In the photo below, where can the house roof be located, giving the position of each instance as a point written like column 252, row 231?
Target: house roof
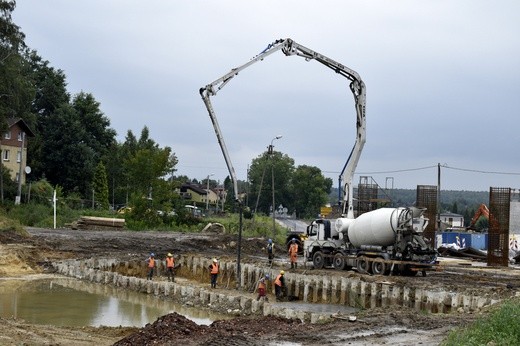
column 450, row 214
column 23, row 125
column 195, row 188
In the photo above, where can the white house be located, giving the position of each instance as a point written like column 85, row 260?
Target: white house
column 452, row 219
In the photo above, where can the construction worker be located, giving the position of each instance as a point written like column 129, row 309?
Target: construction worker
column 170, row 265
column 279, row 286
column 293, row 254
column 213, row 270
column 151, row 265
column 270, row 251
column 261, row 288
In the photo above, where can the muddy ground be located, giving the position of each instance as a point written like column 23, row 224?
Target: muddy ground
column 28, row 255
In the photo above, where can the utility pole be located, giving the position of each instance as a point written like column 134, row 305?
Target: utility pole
column 207, row 191
column 438, row 223
column 270, row 153
column 18, row 199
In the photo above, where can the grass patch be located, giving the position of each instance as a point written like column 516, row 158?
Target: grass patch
column 8, row 224
column 42, row 215
column 500, row 327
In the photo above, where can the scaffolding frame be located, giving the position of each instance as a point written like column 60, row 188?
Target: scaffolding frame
column 427, row 198
column 498, row 235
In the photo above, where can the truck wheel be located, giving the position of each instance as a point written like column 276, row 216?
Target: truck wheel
column 339, row 262
column 363, row 265
column 379, row 267
column 318, row 260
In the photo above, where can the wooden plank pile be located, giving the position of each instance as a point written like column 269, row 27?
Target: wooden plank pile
column 99, row 223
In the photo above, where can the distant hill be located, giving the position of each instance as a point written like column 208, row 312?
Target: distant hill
column 464, row 203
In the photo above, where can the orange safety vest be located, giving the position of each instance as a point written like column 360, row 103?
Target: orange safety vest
column 151, row 262
column 261, row 284
column 278, row 282
column 170, row 261
column 214, row 268
column 293, row 249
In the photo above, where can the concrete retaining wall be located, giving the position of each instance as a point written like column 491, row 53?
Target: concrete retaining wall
column 350, row 291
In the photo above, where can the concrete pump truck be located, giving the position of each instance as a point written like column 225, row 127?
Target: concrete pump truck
column 383, row 241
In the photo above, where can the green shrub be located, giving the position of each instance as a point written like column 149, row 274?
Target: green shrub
column 500, row 327
column 8, row 224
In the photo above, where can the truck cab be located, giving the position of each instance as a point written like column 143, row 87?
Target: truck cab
column 322, row 229
column 322, row 242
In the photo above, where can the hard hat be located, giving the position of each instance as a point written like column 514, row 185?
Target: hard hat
column 294, row 240
column 170, row 254
column 282, row 272
column 215, row 260
column 270, row 241
column 267, row 276
column 152, row 254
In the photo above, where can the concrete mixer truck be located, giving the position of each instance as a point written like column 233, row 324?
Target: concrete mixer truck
column 383, row 241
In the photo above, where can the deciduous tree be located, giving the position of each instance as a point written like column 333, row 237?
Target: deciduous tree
column 100, row 186
column 309, row 189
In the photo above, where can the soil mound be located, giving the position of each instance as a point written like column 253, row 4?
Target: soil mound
column 176, row 329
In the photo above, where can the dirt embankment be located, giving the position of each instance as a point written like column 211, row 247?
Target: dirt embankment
column 20, row 256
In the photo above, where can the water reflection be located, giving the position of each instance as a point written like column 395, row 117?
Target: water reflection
column 69, row 302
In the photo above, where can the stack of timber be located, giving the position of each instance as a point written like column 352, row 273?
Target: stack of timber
column 99, row 223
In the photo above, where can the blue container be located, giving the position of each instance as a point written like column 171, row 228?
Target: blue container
column 479, row 241
column 462, row 239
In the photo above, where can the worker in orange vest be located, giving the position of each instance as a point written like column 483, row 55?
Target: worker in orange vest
column 293, row 254
column 151, row 265
column 261, row 288
column 279, row 286
column 213, row 270
column 170, row 265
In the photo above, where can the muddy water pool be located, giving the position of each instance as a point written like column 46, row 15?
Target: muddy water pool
column 64, row 301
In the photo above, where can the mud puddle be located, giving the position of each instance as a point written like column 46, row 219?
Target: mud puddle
column 63, row 301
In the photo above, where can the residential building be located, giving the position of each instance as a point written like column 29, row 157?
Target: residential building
column 14, row 148
column 452, row 219
column 198, row 195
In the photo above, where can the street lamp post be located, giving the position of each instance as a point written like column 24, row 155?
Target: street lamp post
column 270, row 152
column 207, row 191
column 18, row 198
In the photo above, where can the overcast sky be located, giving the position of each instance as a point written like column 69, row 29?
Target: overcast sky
column 442, row 79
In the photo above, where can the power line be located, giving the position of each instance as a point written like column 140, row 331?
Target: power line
column 400, row 170
column 384, row 172
column 479, row 171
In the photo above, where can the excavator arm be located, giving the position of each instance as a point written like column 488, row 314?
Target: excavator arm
column 481, row 211
column 289, row 47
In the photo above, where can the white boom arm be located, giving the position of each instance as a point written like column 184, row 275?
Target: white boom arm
column 289, row 47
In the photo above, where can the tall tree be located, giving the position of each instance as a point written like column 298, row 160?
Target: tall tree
column 262, row 171
column 309, row 190
column 147, row 166
column 15, row 90
column 51, row 94
column 100, row 186
column 99, row 136
column 69, row 161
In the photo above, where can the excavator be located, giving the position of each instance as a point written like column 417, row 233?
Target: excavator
column 481, row 211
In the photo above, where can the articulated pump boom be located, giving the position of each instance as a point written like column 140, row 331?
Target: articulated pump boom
column 376, row 241
column 289, row 47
